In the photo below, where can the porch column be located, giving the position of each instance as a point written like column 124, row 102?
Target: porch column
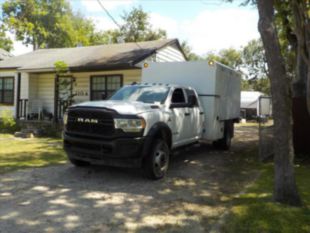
column 18, row 96
column 56, row 98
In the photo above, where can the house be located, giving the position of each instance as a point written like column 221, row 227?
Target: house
column 32, row 89
column 4, row 54
column 253, row 104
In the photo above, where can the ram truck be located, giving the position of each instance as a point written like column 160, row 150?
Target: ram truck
column 141, row 124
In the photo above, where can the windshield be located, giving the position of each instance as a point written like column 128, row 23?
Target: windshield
column 145, row 94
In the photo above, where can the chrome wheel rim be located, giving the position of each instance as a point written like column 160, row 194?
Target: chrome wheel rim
column 161, row 160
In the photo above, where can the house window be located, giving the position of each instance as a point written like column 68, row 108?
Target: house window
column 6, row 90
column 103, row 86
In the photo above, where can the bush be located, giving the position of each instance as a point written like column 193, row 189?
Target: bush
column 7, row 122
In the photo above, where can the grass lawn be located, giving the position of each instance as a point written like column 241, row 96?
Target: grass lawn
column 16, row 153
column 254, row 211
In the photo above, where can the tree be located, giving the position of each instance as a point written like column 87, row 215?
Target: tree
column 137, row 27
column 188, row 52
column 285, row 190
column 301, row 13
column 47, row 24
column 230, row 57
column 254, row 62
column 5, row 42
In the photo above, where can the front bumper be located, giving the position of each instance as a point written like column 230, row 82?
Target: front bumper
column 120, row 152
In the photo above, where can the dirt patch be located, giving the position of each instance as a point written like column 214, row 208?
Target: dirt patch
column 195, row 194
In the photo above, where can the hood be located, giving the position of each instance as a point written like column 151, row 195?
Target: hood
column 122, row 107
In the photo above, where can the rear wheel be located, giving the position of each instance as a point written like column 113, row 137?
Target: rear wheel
column 225, row 142
column 157, row 161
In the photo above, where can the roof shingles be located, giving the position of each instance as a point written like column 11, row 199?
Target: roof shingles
column 103, row 56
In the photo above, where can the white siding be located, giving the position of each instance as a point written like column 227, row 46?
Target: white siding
column 169, row 54
column 24, row 86
column 9, row 73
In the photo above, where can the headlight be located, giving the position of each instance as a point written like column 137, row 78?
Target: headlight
column 129, row 125
column 65, row 118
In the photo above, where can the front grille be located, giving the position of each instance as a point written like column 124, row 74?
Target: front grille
column 90, row 122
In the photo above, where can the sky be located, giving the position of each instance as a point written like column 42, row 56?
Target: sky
column 207, row 25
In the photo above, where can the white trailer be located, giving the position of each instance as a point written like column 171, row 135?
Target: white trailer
column 217, row 85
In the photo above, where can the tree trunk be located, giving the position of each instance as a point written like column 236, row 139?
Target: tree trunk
column 300, row 10
column 285, row 189
column 308, row 91
column 301, row 117
column 300, row 81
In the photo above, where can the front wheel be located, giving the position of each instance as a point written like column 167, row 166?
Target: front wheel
column 156, row 161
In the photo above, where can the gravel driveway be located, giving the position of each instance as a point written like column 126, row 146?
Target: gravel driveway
column 63, row 198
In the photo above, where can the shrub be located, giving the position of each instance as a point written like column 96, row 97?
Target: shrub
column 7, row 122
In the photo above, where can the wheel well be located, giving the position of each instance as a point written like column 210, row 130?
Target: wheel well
column 165, row 135
column 229, row 127
column 158, row 131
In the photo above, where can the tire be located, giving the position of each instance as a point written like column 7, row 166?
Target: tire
column 225, row 142
column 156, row 162
column 79, row 163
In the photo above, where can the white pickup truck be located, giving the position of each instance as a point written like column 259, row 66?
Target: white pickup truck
column 141, row 124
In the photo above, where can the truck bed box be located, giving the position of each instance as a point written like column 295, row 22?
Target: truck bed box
column 218, row 87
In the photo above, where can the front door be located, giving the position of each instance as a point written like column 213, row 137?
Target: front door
column 179, row 115
column 195, row 117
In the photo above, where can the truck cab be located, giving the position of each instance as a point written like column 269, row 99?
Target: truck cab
column 137, row 127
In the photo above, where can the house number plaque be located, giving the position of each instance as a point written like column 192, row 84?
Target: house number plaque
column 81, row 93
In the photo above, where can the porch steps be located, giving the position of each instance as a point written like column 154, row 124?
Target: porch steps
column 28, row 133
column 23, row 135
column 41, row 128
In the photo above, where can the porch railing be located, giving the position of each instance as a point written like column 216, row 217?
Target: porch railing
column 22, row 110
column 62, row 107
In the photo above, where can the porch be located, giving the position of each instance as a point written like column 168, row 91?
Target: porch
column 44, row 97
column 38, row 97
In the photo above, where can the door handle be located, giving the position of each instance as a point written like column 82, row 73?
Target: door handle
column 187, row 114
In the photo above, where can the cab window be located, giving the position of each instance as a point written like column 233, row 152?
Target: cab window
column 192, row 98
column 178, row 97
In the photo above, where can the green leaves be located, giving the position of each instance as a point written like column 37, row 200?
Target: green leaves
column 136, row 27
column 53, row 24
column 61, row 67
column 47, row 24
column 5, row 42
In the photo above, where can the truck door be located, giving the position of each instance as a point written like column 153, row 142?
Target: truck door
column 195, row 119
column 178, row 107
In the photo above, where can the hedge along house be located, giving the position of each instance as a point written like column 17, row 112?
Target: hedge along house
column 32, row 89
